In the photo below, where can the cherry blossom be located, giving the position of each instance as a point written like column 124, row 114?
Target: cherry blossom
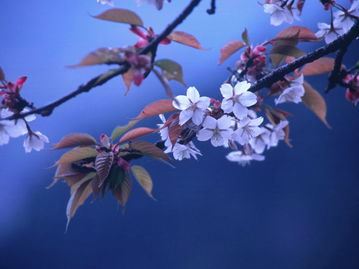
column 346, row 18
column 106, row 2
column 35, row 141
column 329, row 32
column 216, row 130
column 293, row 93
column 279, row 13
column 10, row 128
column 247, row 129
column 192, row 105
column 185, row 151
column 164, row 132
column 260, row 142
column 242, row 158
column 237, row 99
column 277, row 133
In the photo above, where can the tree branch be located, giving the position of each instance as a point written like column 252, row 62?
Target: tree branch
column 280, row 72
column 105, row 77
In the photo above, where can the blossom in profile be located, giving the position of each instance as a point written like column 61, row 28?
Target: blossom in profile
column 217, row 130
column 260, row 142
column 329, row 32
column 192, row 106
column 293, row 93
column 185, row 151
column 277, row 133
column 237, row 99
column 10, row 128
column 35, row 141
column 242, row 158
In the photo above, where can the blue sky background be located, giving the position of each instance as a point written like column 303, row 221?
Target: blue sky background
column 298, row 209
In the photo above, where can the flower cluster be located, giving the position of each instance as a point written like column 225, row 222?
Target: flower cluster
column 11, row 104
column 230, row 123
column 283, row 10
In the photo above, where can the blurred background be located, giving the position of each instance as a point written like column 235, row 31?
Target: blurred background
column 297, row 209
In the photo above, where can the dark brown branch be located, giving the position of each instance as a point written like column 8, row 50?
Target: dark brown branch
column 337, row 75
column 212, row 9
column 280, row 72
column 105, row 77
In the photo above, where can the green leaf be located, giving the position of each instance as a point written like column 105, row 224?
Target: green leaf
column 103, row 164
column 315, row 102
column 120, row 130
column 101, row 56
column 121, row 15
column 75, row 140
column 143, row 178
column 245, row 37
column 149, row 149
column 171, row 69
column 77, row 154
column 229, row 49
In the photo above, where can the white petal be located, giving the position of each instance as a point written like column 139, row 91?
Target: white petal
column 185, row 116
column 224, row 122
column 203, row 102
column 182, row 102
column 247, row 99
column 226, row 90
column 198, row 116
column 240, row 111
column 241, row 87
column 210, row 123
column 193, row 94
column 217, row 140
column 227, row 105
column 204, row 135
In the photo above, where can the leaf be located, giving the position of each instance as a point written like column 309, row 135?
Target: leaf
column 75, row 140
column 229, row 49
column 149, row 149
column 78, row 197
column 2, row 74
column 136, row 133
column 315, row 102
column 100, row 56
column 185, row 39
column 174, row 132
column 296, row 33
column 120, row 130
column 63, row 171
column 77, row 154
column 245, row 37
column 156, row 108
column 103, row 164
column 122, row 192
column 121, row 16
column 143, row 178
column 279, row 53
column 171, row 69
column 128, row 80
column 117, row 175
column 321, row 66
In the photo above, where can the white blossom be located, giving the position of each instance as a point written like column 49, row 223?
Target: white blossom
column 10, row 128
column 243, row 159
column 278, row 13
column 181, row 151
column 345, row 19
column 247, row 129
column 237, row 99
column 164, row 132
column 260, row 142
column 192, row 105
column 293, row 93
column 35, row 141
column 277, row 133
column 330, row 32
column 218, row 131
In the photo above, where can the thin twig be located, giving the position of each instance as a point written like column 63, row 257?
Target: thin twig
column 105, row 77
column 212, row 9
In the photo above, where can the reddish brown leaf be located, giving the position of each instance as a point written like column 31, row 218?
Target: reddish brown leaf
column 136, row 133
column 123, row 191
column 185, row 39
column 77, row 154
column 156, row 108
column 229, row 49
column 103, row 164
column 174, row 132
column 149, row 149
column 296, row 33
column 315, row 102
column 2, row 74
column 121, row 16
column 100, row 56
column 128, row 80
column 280, row 52
column 75, row 140
column 318, row 67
